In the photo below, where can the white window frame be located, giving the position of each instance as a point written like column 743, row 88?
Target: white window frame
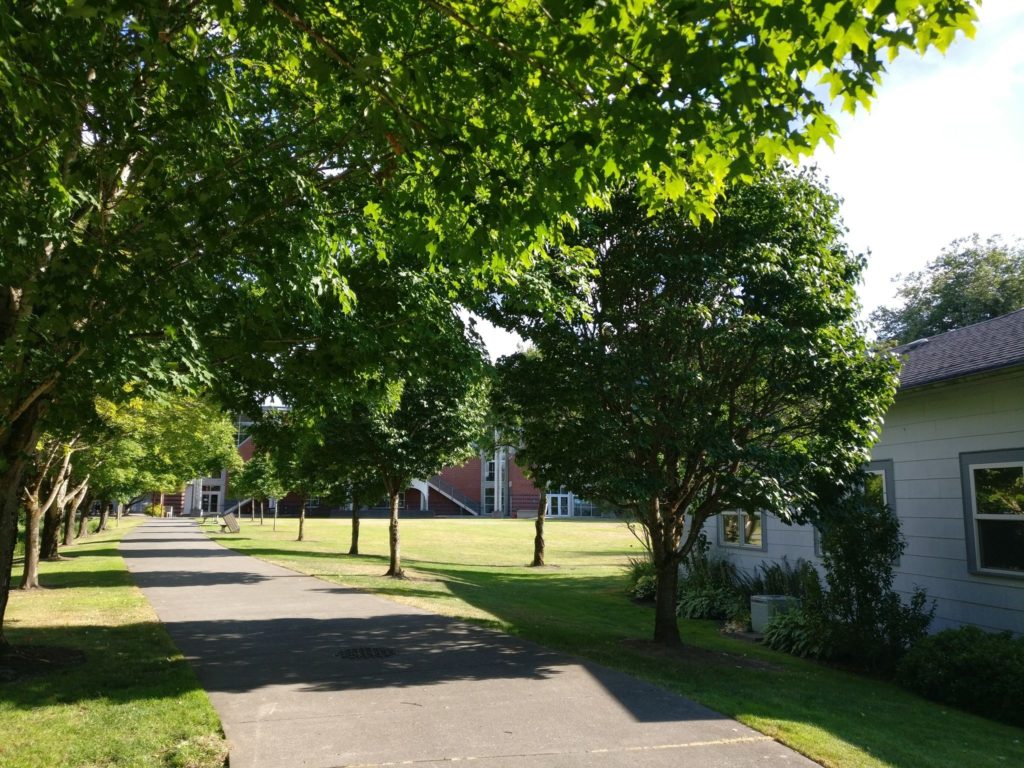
column 740, row 525
column 985, row 460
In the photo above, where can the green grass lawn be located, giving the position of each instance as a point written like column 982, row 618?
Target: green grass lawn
column 133, row 701
column 475, row 570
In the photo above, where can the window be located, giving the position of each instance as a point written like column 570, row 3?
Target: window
column 489, row 500
column 741, row 529
column 582, row 508
column 312, row 502
column 489, row 478
column 993, row 485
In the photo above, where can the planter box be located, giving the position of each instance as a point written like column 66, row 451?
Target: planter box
column 764, row 607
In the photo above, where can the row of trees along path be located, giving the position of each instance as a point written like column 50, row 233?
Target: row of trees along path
column 188, row 188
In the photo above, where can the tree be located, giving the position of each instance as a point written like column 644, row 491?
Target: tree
column 48, row 483
column 390, row 390
column 715, row 367
column 258, row 480
column 197, row 156
column 968, row 282
column 513, row 433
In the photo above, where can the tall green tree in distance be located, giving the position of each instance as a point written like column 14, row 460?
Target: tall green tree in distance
column 258, row 481
column 970, row 281
column 714, row 367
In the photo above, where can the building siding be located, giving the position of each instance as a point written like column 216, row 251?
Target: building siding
column 925, row 432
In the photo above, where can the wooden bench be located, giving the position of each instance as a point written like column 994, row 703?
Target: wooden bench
column 230, row 523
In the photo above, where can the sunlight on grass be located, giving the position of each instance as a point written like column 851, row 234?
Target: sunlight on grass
column 133, row 701
column 476, row 570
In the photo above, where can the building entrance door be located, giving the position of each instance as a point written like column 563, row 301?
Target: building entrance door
column 558, row 505
column 210, row 503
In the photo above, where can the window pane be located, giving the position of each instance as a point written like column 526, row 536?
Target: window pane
column 752, row 529
column 874, row 488
column 999, row 490
column 1001, row 544
column 730, row 527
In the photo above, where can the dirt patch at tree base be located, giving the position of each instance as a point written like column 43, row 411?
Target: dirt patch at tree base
column 21, row 661
column 691, row 654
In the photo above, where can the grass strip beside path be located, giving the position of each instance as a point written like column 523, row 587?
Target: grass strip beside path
column 475, row 570
column 132, row 701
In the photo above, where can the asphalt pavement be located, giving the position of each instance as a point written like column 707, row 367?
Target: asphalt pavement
column 308, row 673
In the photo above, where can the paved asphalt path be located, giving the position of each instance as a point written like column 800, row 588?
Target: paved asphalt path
column 308, row 673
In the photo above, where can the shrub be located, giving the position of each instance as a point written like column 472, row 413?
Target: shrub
column 641, row 579
column 799, row 632
column 154, row 510
column 710, row 587
column 869, row 625
column 978, row 671
column 800, row 580
column 710, row 603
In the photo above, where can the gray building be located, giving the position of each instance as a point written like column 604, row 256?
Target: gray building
column 950, row 463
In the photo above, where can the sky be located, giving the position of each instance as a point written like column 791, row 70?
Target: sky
column 939, row 156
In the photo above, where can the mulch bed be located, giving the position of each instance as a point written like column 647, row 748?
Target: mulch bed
column 21, row 661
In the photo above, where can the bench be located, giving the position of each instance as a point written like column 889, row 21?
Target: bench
column 230, row 523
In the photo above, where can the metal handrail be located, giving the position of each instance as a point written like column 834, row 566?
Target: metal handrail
column 454, row 494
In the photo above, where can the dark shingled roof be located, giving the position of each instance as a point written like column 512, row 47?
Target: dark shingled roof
column 986, row 346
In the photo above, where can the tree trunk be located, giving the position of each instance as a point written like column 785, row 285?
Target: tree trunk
column 104, row 514
column 69, row 523
column 51, row 523
column 36, row 507
column 354, row 546
column 117, row 514
column 262, row 502
column 161, row 503
column 30, row 571
column 666, row 564
column 395, row 568
column 51, row 531
column 15, row 448
column 302, row 518
column 83, row 518
column 538, row 526
column 70, row 517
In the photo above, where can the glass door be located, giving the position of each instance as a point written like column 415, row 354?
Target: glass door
column 558, row 505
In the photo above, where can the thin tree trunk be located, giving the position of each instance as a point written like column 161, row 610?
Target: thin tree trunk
column 302, row 518
column 36, row 507
column 395, row 568
column 71, row 516
column 83, row 518
column 50, row 540
column 117, row 514
column 262, row 502
column 538, row 526
column 30, row 570
column 277, row 504
column 354, row 546
column 51, row 524
column 161, row 503
column 15, row 448
column 104, row 514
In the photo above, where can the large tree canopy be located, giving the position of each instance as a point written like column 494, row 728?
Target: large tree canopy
column 970, row 281
column 715, row 367
column 173, row 172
